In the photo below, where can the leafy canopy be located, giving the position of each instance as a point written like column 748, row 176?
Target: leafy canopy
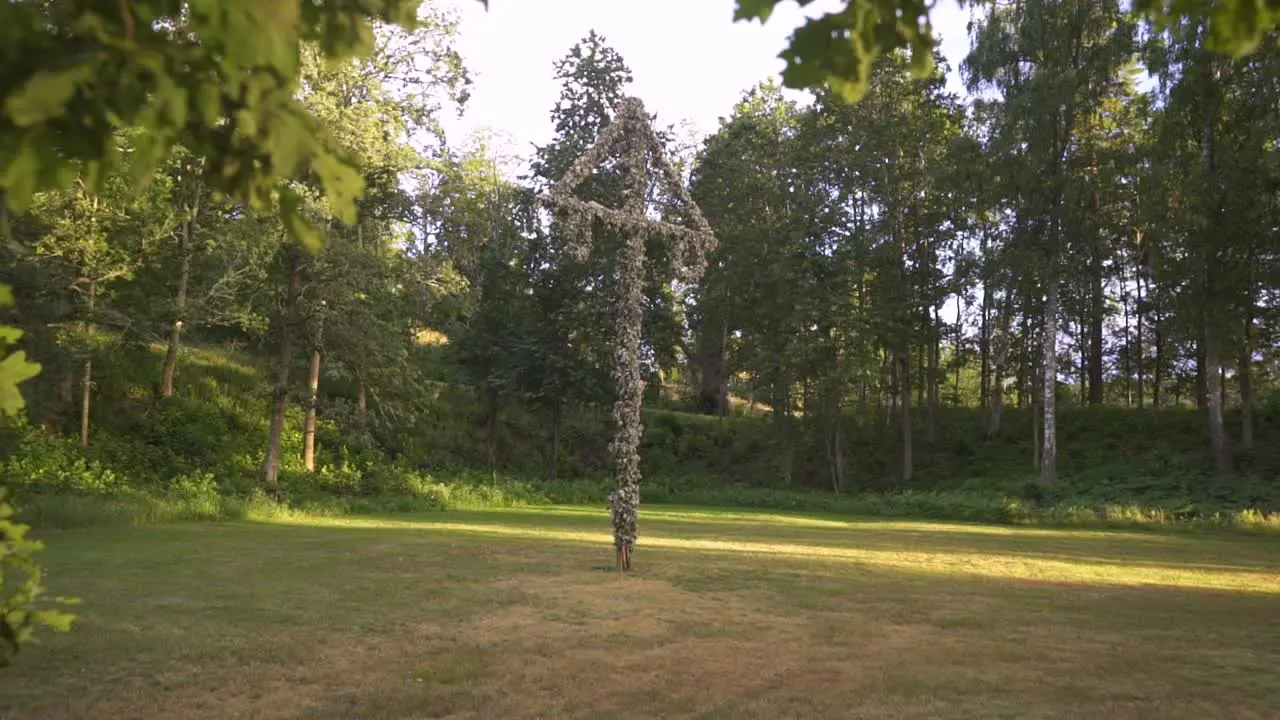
column 219, row 77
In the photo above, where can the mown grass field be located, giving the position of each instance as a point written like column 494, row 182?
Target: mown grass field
column 516, row 614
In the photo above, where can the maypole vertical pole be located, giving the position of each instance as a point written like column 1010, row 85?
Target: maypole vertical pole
column 626, row 375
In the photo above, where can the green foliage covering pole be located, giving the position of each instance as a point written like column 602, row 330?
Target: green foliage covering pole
column 630, row 137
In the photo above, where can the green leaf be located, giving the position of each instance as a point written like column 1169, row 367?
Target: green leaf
column 9, row 335
column 20, row 175
column 755, row 9
column 46, row 94
column 298, row 227
column 174, row 100
column 208, row 101
column 342, row 184
column 14, row 370
column 1238, row 26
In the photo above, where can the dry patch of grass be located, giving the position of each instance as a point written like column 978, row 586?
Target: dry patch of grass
column 734, row 615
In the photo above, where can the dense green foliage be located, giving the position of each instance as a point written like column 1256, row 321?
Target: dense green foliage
column 879, row 298
column 217, row 78
column 838, row 49
column 198, row 457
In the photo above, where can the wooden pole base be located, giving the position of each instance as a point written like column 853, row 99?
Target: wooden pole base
column 623, row 560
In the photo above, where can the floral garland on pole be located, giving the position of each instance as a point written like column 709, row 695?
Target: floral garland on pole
column 631, row 135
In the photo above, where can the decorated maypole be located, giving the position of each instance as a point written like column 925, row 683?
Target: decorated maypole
column 630, row 137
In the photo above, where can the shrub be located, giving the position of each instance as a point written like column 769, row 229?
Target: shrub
column 23, row 609
column 52, row 463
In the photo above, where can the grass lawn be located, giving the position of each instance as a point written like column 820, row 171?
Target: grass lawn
column 508, row 614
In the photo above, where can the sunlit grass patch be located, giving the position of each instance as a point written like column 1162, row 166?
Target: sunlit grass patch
column 920, row 552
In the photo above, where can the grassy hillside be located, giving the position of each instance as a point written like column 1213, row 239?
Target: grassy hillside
column 203, row 449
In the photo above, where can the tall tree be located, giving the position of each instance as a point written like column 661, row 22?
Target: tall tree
column 570, row 344
column 1052, row 62
column 755, row 289
column 379, row 110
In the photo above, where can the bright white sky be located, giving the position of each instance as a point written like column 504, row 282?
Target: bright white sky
column 690, row 61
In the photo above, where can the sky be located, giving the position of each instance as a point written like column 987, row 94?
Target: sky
column 690, row 60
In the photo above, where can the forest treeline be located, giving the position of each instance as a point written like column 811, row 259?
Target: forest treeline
column 1092, row 225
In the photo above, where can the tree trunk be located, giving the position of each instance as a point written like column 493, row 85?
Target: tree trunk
column 313, row 402
column 1202, row 382
column 491, row 426
column 904, row 373
column 1211, row 367
column 829, row 419
column 1140, row 350
column 1222, row 384
column 887, row 392
column 837, row 450
column 1049, row 455
column 1000, row 341
column 553, row 459
column 1035, row 433
column 1084, row 363
column 180, row 301
column 1246, row 378
column 805, row 403
column 921, row 381
column 931, row 410
column 1026, row 379
column 886, row 408
column 86, row 400
column 1157, row 379
column 713, row 385
column 1213, row 397
column 280, row 396
column 984, row 337
column 362, row 400
column 1096, row 318
column 86, row 388
column 67, row 392
column 963, row 305
column 1128, row 339
column 783, row 431
column 175, row 332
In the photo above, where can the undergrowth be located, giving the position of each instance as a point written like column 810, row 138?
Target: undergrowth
column 140, row 508
column 197, row 456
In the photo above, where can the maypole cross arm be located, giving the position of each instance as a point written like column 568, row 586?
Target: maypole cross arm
column 630, row 137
